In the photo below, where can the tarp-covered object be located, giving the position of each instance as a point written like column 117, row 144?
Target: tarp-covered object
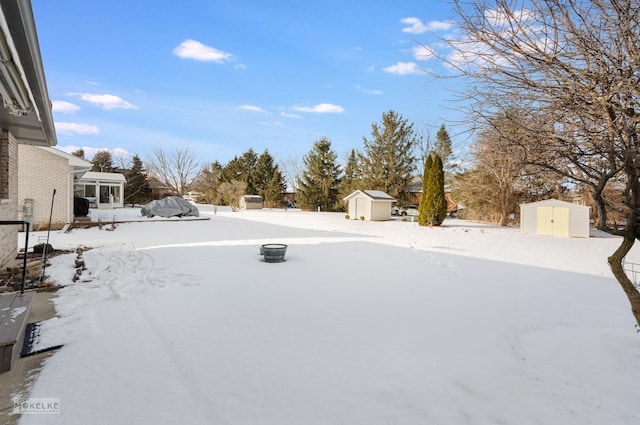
column 80, row 207
column 171, row 206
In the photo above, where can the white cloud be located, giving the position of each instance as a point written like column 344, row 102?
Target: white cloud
column 73, row 128
column 402, row 68
column 499, row 17
column 106, row 101
column 417, row 27
column 422, row 53
column 252, row 108
column 271, row 123
column 322, row 108
column 368, row 91
column 64, row 107
column 192, row 49
column 89, row 152
column 289, row 115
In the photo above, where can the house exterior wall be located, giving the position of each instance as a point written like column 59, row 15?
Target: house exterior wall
column 8, row 197
column 38, row 186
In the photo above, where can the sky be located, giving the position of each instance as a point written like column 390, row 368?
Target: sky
column 220, row 77
column 179, row 321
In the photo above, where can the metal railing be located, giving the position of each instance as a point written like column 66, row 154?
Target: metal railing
column 633, row 272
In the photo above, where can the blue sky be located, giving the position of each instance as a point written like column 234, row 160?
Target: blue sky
column 220, row 77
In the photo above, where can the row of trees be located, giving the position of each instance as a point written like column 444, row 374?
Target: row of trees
column 387, row 162
column 248, row 173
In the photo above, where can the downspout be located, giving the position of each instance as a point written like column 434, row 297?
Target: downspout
column 70, row 191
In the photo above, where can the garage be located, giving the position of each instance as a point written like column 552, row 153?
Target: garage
column 553, row 217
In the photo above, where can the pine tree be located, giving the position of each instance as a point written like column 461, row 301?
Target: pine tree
column 437, row 183
column 318, row 185
column 350, row 180
column 241, row 168
column 275, row 189
column 423, row 209
column 443, row 145
column 263, row 177
column 79, row 153
column 102, row 162
column 136, row 187
column 433, row 205
column 388, row 162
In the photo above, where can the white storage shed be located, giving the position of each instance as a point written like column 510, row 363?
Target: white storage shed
column 553, row 217
column 373, row 205
column 251, row 202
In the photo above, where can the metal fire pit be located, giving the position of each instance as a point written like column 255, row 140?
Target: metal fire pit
column 273, row 252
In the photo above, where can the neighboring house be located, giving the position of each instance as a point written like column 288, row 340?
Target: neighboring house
column 553, row 217
column 25, row 111
column 103, row 190
column 414, row 190
column 251, row 202
column 374, row 205
column 35, row 189
column 158, row 189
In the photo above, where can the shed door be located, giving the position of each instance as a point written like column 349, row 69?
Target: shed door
column 359, row 208
column 553, row 221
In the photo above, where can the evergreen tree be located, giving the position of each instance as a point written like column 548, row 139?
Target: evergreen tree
column 263, row 176
column 79, row 153
column 423, row 209
column 102, row 162
column 443, row 145
column 277, row 186
column 388, row 161
column 350, row 180
column 434, row 208
column 136, row 187
column 318, row 184
column 241, row 168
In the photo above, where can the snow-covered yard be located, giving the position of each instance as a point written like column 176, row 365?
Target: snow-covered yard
column 364, row 323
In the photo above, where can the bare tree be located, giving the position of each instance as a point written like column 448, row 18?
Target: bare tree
column 491, row 188
column 573, row 66
column 231, row 193
column 176, row 169
column 424, row 143
column 292, row 169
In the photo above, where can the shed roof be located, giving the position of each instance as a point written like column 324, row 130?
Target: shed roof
column 374, row 195
column 553, row 202
column 103, row 177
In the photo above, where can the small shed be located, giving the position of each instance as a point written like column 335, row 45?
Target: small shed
column 553, row 217
column 251, row 202
column 373, row 205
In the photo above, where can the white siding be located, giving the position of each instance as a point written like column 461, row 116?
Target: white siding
column 555, row 218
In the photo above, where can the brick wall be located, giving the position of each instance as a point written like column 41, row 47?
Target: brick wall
column 39, row 173
column 8, row 197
